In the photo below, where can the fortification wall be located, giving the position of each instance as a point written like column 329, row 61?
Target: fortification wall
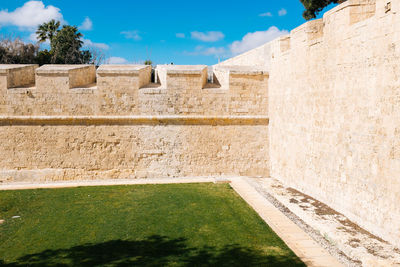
column 73, row 122
column 126, row 90
column 259, row 56
column 334, row 105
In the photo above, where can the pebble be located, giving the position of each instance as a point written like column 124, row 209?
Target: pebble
column 16, row 217
column 1, row 221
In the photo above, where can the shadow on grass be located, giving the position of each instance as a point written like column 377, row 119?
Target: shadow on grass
column 154, row 251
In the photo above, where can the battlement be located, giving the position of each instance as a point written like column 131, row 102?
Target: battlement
column 240, row 77
column 182, row 76
column 130, row 127
column 127, row 90
column 63, row 77
column 119, row 77
column 12, row 76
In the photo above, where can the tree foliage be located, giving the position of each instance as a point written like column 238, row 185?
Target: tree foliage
column 313, row 7
column 65, row 47
column 15, row 51
column 148, row 62
column 47, row 31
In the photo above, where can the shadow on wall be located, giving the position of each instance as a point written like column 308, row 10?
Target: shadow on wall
column 153, row 251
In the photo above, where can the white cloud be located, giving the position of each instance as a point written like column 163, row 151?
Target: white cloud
column 208, row 51
column 132, row 35
column 117, row 60
column 282, row 12
column 211, row 36
column 89, row 43
column 33, row 37
column 254, row 39
column 180, row 35
column 87, row 25
column 216, row 51
column 30, row 15
column 266, row 14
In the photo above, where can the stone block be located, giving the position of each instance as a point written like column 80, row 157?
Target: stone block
column 351, row 12
column 13, row 76
column 182, row 76
column 248, row 78
column 111, row 77
column 63, row 77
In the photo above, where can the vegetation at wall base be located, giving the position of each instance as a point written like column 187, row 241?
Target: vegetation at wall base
column 145, row 225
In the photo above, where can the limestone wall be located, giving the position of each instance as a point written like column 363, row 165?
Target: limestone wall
column 126, row 90
column 334, row 105
column 72, row 125
column 82, row 152
column 334, row 112
column 256, row 57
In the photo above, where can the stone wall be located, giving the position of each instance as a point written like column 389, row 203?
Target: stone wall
column 334, row 107
column 145, row 150
column 256, row 57
column 71, row 125
column 126, row 90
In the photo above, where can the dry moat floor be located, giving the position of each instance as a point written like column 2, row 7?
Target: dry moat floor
column 141, row 225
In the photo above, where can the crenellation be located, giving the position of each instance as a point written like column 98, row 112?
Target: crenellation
column 131, row 128
column 123, row 77
column 188, row 77
column 241, row 77
column 284, row 43
column 351, row 12
column 64, row 77
column 16, row 76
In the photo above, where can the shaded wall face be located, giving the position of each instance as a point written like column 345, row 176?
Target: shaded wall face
column 334, row 105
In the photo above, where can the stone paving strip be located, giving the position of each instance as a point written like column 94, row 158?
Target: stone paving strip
column 66, row 184
column 310, row 252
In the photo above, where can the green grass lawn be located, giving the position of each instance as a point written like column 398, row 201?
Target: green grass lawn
column 141, row 225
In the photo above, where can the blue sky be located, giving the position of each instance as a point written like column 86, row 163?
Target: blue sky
column 182, row 32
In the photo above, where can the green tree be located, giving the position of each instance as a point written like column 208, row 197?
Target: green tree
column 15, row 51
column 313, row 7
column 148, row 62
column 66, row 47
column 47, row 31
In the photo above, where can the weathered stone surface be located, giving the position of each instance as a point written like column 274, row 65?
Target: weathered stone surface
column 127, row 128
column 124, row 90
column 12, row 76
column 182, row 77
column 57, row 152
column 64, row 77
column 334, row 108
column 123, row 77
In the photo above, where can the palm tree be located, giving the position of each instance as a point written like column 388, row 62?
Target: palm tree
column 66, row 46
column 47, row 31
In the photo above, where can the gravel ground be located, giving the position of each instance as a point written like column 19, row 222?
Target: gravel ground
column 346, row 241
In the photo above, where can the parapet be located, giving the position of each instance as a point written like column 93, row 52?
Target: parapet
column 62, row 77
column 350, row 12
column 334, row 22
column 127, row 90
column 182, row 76
column 123, row 76
column 13, row 76
column 240, row 77
column 308, row 34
